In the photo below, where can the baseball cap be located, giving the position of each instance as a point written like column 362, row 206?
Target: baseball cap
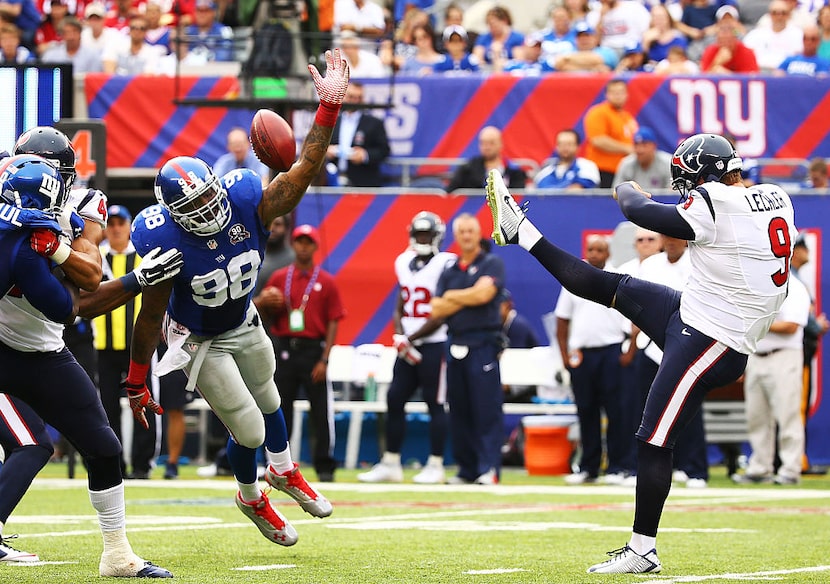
column 209, row 4
column 307, row 231
column 644, row 134
column 95, row 9
column 119, row 211
column 632, row 48
column 724, row 10
column 583, row 27
column 454, row 29
column 533, row 40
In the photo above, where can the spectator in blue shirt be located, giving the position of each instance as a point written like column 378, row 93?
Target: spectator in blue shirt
column 240, row 155
column 207, row 36
column 457, row 57
column 530, row 60
column 808, row 62
column 566, row 170
column 25, row 15
column 560, row 38
column 11, row 51
column 500, row 41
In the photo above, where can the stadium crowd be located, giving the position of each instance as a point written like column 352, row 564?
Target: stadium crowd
column 425, row 37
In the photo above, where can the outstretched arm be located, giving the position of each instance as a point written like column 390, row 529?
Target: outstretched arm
column 284, row 192
column 637, row 206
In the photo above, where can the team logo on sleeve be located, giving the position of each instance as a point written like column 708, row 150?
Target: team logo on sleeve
column 237, row 233
column 688, row 202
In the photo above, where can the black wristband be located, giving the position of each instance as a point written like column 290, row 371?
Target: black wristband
column 130, row 282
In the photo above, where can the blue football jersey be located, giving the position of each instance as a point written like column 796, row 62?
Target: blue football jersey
column 213, row 291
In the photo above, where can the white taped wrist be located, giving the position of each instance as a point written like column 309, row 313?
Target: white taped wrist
column 61, row 254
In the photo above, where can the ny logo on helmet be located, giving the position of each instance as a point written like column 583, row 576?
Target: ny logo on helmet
column 51, row 187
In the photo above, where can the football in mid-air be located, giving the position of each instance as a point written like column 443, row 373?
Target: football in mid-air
column 273, row 140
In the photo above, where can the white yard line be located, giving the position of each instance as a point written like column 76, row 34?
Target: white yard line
column 771, row 575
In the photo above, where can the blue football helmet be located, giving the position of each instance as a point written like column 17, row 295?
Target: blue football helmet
column 31, row 182
column 702, row 156
column 431, row 225
column 54, row 146
column 193, row 195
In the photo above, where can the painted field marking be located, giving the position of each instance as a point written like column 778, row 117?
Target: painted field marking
column 751, row 576
column 264, row 568
column 496, row 571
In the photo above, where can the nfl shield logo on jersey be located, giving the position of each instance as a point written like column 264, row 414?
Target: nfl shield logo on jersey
column 237, row 233
column 212, row 244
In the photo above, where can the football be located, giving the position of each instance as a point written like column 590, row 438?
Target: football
column 273, row 140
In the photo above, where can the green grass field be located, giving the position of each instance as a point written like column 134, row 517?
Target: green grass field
column 528, row 529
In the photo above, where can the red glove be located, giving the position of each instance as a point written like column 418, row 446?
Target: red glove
column 47, row 243
column 138, row 393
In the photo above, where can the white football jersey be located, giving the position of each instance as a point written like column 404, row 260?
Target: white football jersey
column 740, row 261
column 22, row 326
column 417, row 288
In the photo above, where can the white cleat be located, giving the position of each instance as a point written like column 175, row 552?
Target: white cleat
column 9, row 554
column 293, row 484
column 129, row 566
column 431, row 474
column 507, row 215
column 626, row 561
column 270, row 522
column 384, row 472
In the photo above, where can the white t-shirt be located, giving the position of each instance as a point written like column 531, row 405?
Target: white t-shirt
column 740, row 261
column 347, row 12
column 592, row 325
column 418, row 288
column 22, row 326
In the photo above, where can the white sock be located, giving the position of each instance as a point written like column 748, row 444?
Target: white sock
column 642, row 544
column 109, row 504
column 249, row 493
column 393, row 458
column 528, row 234
column 435, row 460
column 281, row 461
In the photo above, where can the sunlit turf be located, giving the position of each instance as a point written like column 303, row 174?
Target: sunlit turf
column 529, row 529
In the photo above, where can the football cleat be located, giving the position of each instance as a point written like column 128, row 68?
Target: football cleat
column 270, row 522
column 295, row 486
column 507, row 215
column 626, row 561
column 383, row 472
column 432, row 474
column 117, row 566
column 488, row 478
column 9, row 554
column 580, row 478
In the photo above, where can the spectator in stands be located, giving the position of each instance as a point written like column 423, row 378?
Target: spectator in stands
column 647, row 165
column 698, row 23
column 120, row 14
column 588, row 56
column 530, row 60
column 303, row 305
column 808, row 62
column 817, row 175
column 396, row 51
column 426, row 56
column 473, row 173
column 622, row 24
column 559, row 38
column 96, row 35
column 772, row 392
column 71, row 49
column 363, row 64
column 158, row 34
column 240, row 155
column 824, row 26
column 500, row 41
column 48, row 33
column 466, row 298
column 775, row 43
column 797, row 16
column 566, row 170
column 11, row 51
column 363, row 17
column 457, row 58
column 633, row 60
column 359, row 144
column 206, row 36
column 135, row 58
column 590, row 338
column 662, row 35
column 25, row 15
column 677, row 62
column 728, row 54
column 582, row 11
column 609, row 131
